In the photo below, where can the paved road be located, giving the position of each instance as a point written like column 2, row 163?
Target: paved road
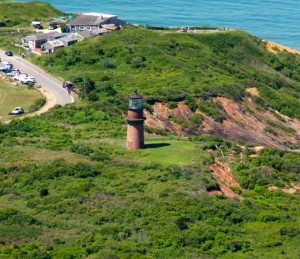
column 52, row 84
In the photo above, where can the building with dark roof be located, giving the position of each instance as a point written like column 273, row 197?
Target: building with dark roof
column 89, row 22
column 51, row 46
column 35, row 41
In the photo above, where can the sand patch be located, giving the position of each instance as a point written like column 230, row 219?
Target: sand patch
column 253, row 91
column 275, row 48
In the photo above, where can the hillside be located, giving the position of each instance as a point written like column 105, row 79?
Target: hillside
column 16, row 18
column 21, row 14
column 212, row 74
column 218, row 177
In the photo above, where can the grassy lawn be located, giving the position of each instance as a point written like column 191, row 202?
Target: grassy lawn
column 12, row 96
column 169, row 152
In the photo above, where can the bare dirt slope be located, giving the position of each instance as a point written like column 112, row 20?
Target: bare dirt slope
column 225, row 180
column 243, row 121
column 275, row 48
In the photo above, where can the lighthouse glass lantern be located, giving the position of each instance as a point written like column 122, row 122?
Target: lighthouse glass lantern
column 135, row 122
column 135, row 101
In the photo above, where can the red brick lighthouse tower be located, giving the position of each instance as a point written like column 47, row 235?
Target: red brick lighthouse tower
column 135, row 122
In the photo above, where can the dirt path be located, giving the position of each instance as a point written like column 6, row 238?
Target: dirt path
column 50, row 102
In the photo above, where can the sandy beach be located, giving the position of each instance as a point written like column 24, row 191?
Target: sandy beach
column 275, row 47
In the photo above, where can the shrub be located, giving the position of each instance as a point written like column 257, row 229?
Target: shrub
column 212, row 109
column 172, row 105
column 270, row 130
column 44, row 192
column 191, row 103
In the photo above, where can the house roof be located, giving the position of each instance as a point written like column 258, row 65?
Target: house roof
column 85, row 34
column 72, row 37
column 87, row 20
column 37, row 36
column 53, row 44
column 43, row 36
column 55, row 34
column 99, row 31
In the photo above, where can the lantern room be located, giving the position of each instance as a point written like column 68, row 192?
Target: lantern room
column 135, row 101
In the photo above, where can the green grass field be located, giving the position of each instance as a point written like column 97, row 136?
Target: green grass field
column 164, row 151
column 168, row 152
column 12, row 96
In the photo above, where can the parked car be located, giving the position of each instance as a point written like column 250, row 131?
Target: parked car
column 19, row 77
column 27, row 80
column 69, row 86
column 35, row 23
column 6, row 67
column 52, row 26
column 13, row 72
column 39, row 27
column 9, row 53
column 16, row 111
column 6, row 64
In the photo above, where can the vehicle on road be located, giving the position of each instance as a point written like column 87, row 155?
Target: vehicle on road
column 69, row 86
column 9, row 53
column 5, row 67
column 27, row 80
column 19, row 77
column 17, row 111
column 13, row 72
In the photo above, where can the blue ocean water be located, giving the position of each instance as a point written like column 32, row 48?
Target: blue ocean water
column 273, row 20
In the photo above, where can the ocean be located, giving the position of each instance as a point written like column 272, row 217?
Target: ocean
column 272, row 20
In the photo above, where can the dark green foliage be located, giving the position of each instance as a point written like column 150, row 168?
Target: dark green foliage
column 179, row 121
column 212, row 109
column 271, row 167
column 191, row 103
column 20, row 14
column 270, row 130
column 196, row 119
column 280, row 126
column 172, row 105
column 174, row 66
column 290, row 231
column 44, row 192
column 90, row 197
column 155, row 131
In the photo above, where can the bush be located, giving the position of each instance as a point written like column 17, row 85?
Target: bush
column 44, row 192
column 212, row 109
column 172, row 105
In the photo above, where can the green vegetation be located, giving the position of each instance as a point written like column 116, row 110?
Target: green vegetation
column 16, row 18
column 70, row 189
column 211, row 109
column 21, row 14
column 148, row 203
column 12, row 96
column 168, row 66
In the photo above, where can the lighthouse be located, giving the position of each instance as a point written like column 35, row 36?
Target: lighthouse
column 135, row 122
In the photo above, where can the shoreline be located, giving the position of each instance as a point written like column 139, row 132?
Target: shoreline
column 274, row 47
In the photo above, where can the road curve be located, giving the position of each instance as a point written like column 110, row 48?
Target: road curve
column 50, row 83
